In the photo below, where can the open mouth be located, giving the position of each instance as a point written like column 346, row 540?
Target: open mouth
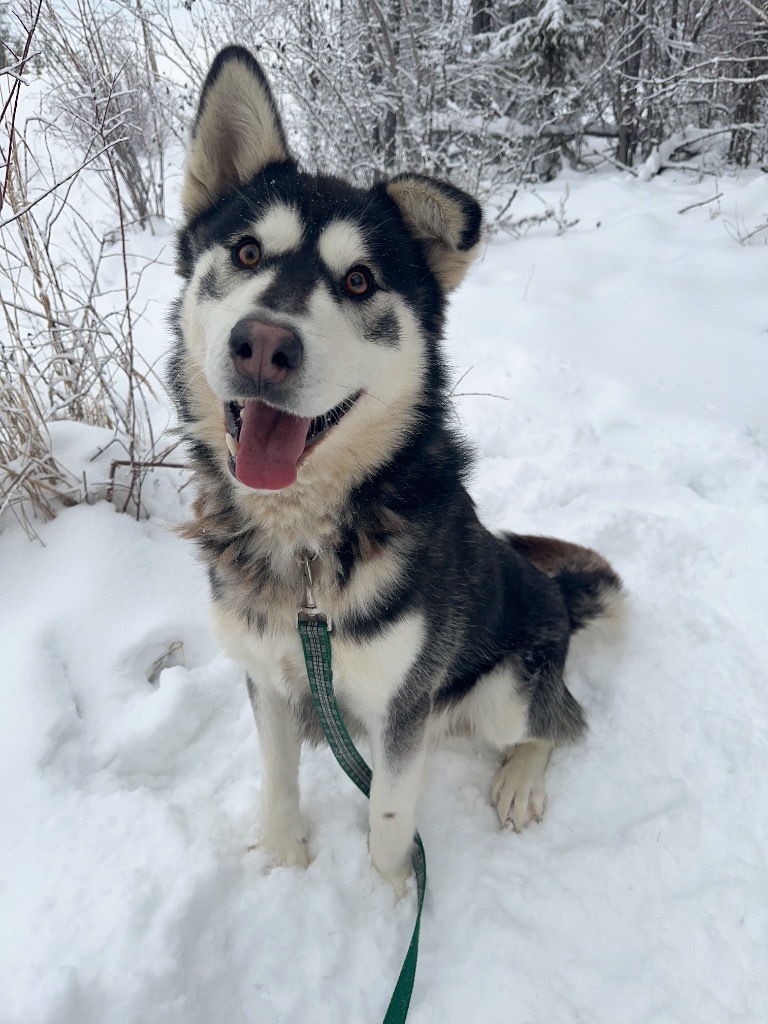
column 266, row 445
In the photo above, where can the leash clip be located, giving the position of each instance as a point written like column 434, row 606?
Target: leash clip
column 308, row 611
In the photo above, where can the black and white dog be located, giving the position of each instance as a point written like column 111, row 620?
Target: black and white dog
column 313, row 394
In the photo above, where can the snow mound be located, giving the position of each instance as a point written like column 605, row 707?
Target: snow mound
column 615, row 388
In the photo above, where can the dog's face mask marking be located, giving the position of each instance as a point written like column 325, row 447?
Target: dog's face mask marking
column 309, row 302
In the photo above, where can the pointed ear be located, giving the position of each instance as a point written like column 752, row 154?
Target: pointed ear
column 237, row 131
column 444, row 219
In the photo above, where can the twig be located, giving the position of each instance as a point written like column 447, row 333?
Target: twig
column 756, row 231
column 14, row 97
column 704, row 202
column 616, row 163
column 528, row 282
column 56, row 185
column 137, row 464
column 461, row 378
column 480, row 394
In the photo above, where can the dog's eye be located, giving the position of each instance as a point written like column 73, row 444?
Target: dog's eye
column 247, row 253
column 358, row 282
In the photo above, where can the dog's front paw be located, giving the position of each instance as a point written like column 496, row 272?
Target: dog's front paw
column 518, row 791
column 393, row 867
column 398, row 881
column 288, row 846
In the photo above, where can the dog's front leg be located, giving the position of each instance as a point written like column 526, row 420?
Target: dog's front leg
column 397, row 783
column 283, row 830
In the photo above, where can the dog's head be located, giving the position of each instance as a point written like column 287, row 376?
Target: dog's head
column 308, row 301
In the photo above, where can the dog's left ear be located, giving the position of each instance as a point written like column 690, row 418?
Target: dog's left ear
column 447, row 221
column 237, row 131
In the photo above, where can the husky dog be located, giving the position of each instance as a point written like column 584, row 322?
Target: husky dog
column 314, row 397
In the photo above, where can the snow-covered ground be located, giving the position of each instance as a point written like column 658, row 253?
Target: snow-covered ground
column 616, row 385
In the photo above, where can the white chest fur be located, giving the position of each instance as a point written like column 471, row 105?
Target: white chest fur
column 366, row 672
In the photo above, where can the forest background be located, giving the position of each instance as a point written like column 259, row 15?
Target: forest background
column 96, row 96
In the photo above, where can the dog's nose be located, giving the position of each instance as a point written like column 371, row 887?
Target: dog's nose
column 265, row 353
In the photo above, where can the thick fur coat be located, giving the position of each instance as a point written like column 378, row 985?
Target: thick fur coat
column 312, row 391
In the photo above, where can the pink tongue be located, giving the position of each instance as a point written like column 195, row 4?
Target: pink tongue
column 271, row 443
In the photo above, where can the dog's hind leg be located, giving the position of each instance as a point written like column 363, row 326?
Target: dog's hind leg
column 554, row 717
column 283, row 831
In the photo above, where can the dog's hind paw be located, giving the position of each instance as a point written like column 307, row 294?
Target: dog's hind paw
column 518, row 792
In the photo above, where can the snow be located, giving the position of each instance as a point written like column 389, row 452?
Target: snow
column 615, row 386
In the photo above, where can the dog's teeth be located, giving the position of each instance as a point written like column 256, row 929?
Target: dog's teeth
column 241, row 403
column 232, row 444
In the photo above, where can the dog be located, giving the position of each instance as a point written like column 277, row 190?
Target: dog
column 313, row 394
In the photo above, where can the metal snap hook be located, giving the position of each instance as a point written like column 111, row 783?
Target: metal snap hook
column 308, row 610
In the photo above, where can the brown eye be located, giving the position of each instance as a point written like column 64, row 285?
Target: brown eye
column 358, row 282
column 248, row 253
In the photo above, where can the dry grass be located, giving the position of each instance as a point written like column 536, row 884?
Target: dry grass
column 67, row 352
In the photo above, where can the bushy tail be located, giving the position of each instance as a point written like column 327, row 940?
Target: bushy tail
column 591, row 588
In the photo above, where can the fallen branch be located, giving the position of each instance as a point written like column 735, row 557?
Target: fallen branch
column 704, row 202
column 136, row 465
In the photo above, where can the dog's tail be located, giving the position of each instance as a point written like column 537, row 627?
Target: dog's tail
column 591, row 588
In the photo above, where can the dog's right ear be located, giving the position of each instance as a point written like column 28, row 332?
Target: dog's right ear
column 237, row 131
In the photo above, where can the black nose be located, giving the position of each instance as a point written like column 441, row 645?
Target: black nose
column 264, row 353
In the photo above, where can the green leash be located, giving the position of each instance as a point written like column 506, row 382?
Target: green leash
column 313, row 629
